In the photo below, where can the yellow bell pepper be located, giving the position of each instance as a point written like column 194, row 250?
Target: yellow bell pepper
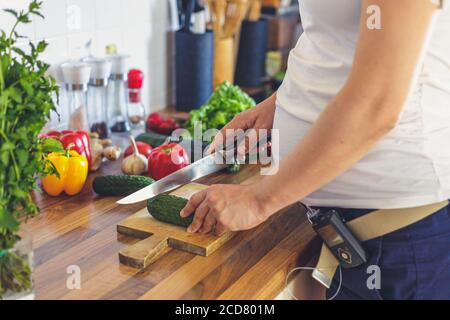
column 72, row 168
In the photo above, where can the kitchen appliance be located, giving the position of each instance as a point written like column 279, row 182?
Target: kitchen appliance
column 117, row 100
column 162, row 235
column 76, row 77
column 135, row 108
column 97, row 95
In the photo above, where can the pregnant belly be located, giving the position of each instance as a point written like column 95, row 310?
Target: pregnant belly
column 290, row 131
column 391, row 175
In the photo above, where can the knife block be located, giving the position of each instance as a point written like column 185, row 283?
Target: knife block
column 194, row 56
column 251, row 61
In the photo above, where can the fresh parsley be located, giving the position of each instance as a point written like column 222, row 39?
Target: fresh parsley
column 26, row 100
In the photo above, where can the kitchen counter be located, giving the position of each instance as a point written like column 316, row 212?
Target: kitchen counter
column 81, row 231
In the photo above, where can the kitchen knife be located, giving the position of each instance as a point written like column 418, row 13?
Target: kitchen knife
column 188, row 15
column 201, row 168
column 199, row 19
column 174, row 16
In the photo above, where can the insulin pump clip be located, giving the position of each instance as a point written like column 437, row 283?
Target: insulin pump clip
column 337, row 237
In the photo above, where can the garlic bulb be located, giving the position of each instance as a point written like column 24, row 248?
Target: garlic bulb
column 112, row 153
column 135, row 164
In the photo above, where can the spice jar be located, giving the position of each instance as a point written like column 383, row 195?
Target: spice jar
column 116, row 93
column 96, row 98
column 76, row 77
column 135, row 108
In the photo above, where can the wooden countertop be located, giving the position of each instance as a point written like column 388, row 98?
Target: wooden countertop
column 81, row 231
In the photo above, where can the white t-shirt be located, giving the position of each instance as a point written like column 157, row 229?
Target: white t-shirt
column 411, row 165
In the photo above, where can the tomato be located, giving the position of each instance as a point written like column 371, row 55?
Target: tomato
column 173, row 124
column 153, row 125
column 165, row 128
column 154, row 120
column 156, row 123
column 143, row 148
column 166, row 159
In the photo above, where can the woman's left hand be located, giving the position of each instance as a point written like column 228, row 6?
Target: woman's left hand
column 224, row 208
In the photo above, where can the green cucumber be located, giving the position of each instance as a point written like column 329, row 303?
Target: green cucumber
column 166, row 208
column 119, row 185
column 152, row 138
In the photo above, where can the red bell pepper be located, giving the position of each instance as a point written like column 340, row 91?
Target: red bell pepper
column 166, row 159
column 80, row 140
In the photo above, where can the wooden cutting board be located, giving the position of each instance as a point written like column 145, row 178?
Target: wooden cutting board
column 160, row 235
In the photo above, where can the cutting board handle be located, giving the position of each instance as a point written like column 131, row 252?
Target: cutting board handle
column 142, row 254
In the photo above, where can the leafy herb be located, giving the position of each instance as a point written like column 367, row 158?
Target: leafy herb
column 234, row 168
column 226, row 102
column 15, row 273
column 26, row 100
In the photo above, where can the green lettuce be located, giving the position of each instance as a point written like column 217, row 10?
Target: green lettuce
column 226, row 102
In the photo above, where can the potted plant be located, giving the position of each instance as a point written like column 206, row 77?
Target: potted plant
column 26, row 101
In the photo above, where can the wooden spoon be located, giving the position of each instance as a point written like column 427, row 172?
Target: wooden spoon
column 236, row 12
column 255, row 10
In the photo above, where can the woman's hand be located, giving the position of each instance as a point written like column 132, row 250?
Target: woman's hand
column 224, row 208
column 259, row 117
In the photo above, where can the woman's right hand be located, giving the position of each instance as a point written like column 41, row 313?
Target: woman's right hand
column 259, row 117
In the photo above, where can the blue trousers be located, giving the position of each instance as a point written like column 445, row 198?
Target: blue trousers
column 414, row 262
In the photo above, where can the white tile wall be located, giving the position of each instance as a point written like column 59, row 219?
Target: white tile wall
column 136, row 27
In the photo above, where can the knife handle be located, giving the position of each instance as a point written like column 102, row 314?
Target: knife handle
column 232, row 154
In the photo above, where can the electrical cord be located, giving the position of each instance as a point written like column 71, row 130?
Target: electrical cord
column 312, row 269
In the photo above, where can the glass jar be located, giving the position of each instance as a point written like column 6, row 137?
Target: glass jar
column 76, row 97
column 16, row 281
column 76, row 76
column 117, row 99
column 97, row 111
column 97, row 95
column 117, row 103
column 135, row 108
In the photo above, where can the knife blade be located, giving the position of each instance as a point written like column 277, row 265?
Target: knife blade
column 194, row 171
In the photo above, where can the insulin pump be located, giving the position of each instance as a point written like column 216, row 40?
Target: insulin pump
column 337, row 237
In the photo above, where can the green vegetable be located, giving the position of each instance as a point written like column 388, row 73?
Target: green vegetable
column 15, row 273
column 166, row 208
column 234, row 168
column 26, row 100
column 152, row 138
column 226, row 102
column 119, row 185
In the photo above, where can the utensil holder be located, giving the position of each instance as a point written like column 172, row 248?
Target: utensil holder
column 250, row 66
column 194, row 69
column 223, row 61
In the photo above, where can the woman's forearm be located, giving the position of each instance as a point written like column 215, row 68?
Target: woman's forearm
column 270, row 101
